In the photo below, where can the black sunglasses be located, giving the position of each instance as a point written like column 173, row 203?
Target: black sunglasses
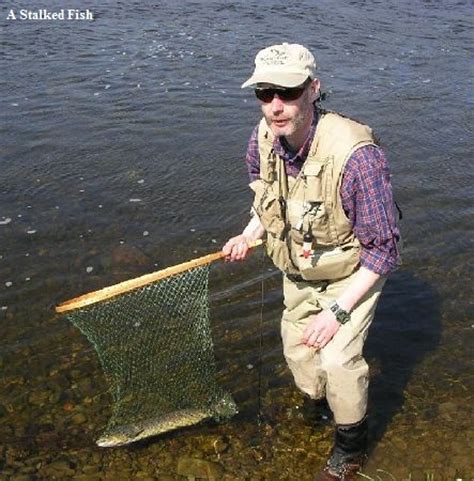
column 286, row 94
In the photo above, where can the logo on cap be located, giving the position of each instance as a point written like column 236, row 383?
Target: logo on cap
column 274, row 57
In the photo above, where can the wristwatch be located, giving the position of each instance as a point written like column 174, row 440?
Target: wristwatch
column 341, row 315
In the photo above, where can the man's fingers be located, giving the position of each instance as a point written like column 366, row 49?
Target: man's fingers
column 312, row 341
column 321, row 341
column 229, row 246
column 307, row 333
column 310, row 338
column 243, row 249
column 312, row 328
column 235, row 249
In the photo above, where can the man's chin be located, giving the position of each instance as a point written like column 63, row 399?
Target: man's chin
column 280, row 131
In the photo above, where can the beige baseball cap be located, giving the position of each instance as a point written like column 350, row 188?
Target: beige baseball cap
column 286, row 64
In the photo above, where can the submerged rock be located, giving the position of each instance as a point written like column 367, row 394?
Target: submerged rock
column 126, row 256
column 38, row 398
column 220, row 445
column 57, row 470
column 23, row 477
column 88, row 477
column 79, row 419
column 199, row 468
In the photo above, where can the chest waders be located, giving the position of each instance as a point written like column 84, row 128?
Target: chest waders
column 310, row 239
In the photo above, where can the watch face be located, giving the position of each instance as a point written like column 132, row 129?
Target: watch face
column 343, row 317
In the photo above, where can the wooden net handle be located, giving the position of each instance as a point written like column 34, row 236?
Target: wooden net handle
column 125, row 286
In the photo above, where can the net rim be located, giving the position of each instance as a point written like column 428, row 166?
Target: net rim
column 137, row 282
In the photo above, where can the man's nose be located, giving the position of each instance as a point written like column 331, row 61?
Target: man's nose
column 277, row 104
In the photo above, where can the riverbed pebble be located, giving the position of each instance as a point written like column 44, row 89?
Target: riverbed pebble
column 198, row 468
column 78, row 419
column 57, row 470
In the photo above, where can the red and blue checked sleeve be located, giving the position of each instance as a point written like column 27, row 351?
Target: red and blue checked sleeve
column 367, row 199
column 252, row 159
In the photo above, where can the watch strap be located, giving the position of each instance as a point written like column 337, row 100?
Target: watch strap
column 342, row 315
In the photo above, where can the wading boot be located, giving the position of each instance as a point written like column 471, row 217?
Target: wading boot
column 348, row 453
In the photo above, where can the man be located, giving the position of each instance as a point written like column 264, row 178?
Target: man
column 324, row 200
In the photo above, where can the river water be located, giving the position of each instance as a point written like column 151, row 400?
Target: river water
column 123, row 141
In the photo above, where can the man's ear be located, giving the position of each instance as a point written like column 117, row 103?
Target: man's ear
column 315, row 87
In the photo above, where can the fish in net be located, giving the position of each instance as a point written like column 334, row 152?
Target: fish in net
column 153, row 338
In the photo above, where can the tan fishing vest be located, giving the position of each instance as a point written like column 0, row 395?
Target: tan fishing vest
column 290, row 207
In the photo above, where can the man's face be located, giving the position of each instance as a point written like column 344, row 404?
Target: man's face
column 290, row 118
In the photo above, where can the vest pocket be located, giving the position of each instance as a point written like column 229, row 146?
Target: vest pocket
column 320, row 227
column 311, row 216
column 312, row 182
column 271, row 216
column 268, row 207
column 336, row 263
column 277, row 250
column 317, row 218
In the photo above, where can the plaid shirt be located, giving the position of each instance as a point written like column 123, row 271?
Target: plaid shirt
column 366, row 195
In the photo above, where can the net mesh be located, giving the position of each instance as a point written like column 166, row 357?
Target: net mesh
column 156, row 350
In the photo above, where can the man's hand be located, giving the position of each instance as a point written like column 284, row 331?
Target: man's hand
column 320, row 330
column 236, row 248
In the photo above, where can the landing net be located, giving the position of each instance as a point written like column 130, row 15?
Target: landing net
column 155, row 347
